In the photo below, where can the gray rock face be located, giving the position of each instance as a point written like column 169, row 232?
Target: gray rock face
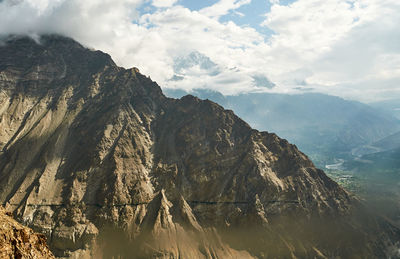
column 99, row 160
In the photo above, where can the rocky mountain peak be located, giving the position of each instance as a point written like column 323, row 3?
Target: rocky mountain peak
column 99, row 160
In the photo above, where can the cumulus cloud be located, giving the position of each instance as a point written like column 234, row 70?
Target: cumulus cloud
column 223, row 7
column 349, row 48
column 88, row 20
column 149, row 41
column 225, row 44
column 164, row 3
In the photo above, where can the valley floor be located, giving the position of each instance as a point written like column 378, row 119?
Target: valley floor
column 380, row 189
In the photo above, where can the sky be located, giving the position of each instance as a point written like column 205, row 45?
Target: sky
column 347, row 48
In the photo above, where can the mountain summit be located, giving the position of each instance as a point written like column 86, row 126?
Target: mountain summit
column 95, row 157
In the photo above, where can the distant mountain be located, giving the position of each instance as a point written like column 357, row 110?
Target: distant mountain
column 379, row 175
column 378, row 163
column 191, row 66
column 99, row 160
column 194, row 59
column 323, row 126
column 389, row 142
column 390, row 106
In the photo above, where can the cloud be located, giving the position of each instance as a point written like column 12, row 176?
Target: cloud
column 349, row 48
column 305, row 30
column 88, row 19
column 164, row 3
column 153, row 42
column 342, row 46
column 189, row 32
column 223, row 7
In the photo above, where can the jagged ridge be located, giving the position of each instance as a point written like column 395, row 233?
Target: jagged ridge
column 92, row 151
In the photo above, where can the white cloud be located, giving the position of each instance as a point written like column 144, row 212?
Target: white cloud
column 349, row 48
column 308, row 28
column 338, row 44
column 88, row 19
column 223, row 7
column 184, row 31
column 164, row 3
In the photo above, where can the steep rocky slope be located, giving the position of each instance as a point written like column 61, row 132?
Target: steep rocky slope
column 17, row 241
column 324, row 127
column 99, row 160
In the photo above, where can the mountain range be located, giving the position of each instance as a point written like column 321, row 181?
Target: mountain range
column 324, row 127
column 391, row 106
column 100, row 161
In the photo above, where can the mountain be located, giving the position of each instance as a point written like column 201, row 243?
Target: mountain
column 95, row 157
column 324, row 127
column 380, row 175
column 391, row 106
column 378, row 161
column 389, row 142
column 17, row 241
column 193, row 59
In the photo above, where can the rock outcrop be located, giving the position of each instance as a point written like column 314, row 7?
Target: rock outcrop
column 95, row 157
column 17, row 241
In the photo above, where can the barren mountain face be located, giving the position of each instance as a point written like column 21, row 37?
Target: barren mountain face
column 95, row 157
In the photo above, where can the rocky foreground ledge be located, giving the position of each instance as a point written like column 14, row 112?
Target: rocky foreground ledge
column 17, row 241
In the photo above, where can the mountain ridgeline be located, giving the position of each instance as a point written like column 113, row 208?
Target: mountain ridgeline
column 96, row 158
column 324, row 127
